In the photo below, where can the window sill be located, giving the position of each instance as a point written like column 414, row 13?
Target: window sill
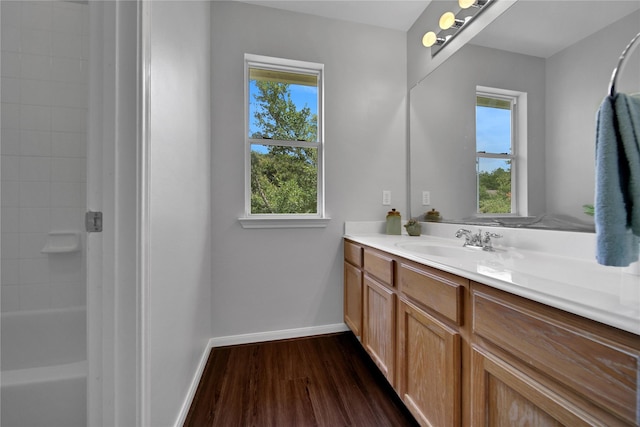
column 280, row 222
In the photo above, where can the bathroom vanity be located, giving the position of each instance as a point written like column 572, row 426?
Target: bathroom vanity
column 472, row 338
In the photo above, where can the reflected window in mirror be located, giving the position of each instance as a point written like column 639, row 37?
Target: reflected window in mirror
column 496, row 152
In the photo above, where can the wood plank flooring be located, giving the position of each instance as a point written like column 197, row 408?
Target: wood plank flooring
column 326, row 380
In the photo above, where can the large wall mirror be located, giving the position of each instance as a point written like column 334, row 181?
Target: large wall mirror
column 555, row 59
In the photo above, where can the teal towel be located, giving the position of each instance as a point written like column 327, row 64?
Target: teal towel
column 617, row 196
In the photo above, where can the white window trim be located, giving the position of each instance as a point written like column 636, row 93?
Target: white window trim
column 519, row 204
column 319, row 219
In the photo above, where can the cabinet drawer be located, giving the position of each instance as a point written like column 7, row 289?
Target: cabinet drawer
column 437, row 290
column 379, row 265
column 353, row 253
column 572, row 350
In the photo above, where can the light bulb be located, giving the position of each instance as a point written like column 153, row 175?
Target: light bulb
column 466, row 4
column 447, row 20
column 429, row 39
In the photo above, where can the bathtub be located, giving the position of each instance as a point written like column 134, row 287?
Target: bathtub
column 44, row 368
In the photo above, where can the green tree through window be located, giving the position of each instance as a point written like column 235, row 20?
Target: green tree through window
column 284, row 143
column 284, row 177
column 494, row 190
column 494, row 154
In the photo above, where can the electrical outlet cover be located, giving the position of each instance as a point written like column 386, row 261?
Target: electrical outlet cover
column 386, row 198
column 426, row 198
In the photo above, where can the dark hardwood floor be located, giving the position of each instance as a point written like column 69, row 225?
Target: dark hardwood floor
column 325, row 380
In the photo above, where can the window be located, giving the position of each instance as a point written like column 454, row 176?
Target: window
column 496, row 152
column 283, row 142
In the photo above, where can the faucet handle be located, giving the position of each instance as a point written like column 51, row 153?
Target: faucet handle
column 462, row 232
column 487, row 246
column 467, row 235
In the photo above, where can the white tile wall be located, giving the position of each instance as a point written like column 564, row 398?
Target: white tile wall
column 44, row 93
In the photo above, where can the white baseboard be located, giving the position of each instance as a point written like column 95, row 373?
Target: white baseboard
column 184, row 411
column 247, row 339
column 277, row 335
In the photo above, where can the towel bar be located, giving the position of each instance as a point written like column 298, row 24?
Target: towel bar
column 623, row 56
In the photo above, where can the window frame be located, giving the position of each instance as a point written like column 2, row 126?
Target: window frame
column 284, row 220
column 518, row 156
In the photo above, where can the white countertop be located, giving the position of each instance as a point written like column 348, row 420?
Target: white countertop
column 574, row 284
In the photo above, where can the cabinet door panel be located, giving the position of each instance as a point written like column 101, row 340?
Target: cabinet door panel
column 575, row 356
column 353, row 298
column 378, row 326
column 504, row 396
column 429, row 367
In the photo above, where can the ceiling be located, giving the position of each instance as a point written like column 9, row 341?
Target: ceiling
column 543, row 28
column 534, row 27
column 393, row 14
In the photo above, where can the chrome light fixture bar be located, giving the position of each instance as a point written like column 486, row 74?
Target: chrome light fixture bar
column 452, row 23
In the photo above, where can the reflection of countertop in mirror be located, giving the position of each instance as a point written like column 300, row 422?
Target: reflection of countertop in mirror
column 555, row 268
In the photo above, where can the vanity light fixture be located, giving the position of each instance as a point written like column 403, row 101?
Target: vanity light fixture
column 452, row 23
column 449, row 20
column 430, row 39
column 466, row 4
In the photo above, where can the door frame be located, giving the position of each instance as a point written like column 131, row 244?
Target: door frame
column 117, row 393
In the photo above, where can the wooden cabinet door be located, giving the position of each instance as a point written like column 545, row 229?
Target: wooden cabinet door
column 587, row 358
column 503, row 395
column 353, row 298
column 429, row 367
column 378, row 336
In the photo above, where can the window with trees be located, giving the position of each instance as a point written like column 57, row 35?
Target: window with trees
column 283, row 139
column 496, row 120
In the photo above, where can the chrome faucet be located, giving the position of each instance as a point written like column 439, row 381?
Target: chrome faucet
column 477, row 240
column 469, row 239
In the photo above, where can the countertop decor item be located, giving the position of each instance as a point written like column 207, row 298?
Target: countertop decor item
column 393, row 222
column 588, row 209
column 413, row 227
column 433, row 216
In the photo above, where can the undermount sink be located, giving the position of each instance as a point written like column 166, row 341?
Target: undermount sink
column 519, row 265
column 434, row 249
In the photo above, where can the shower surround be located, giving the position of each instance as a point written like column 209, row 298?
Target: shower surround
column 44, row 99
column 43, row 146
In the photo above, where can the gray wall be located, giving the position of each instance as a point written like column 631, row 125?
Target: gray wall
column 577, row 81
column 271, row 280
column 179, row 197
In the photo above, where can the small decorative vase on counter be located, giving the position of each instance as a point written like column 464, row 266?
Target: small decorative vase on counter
column 413, row 227
column 432, row 216
column 393, row 222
